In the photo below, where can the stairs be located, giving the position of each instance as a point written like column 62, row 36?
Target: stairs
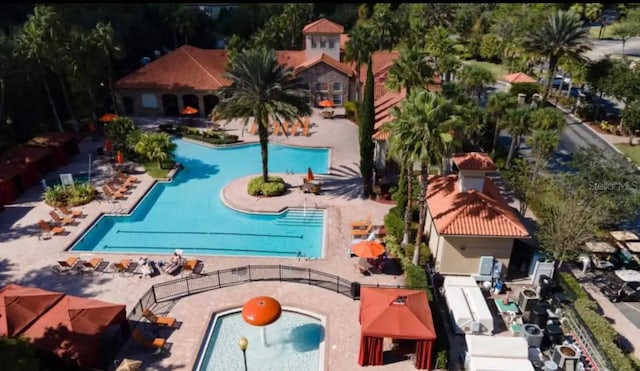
column 312, row 217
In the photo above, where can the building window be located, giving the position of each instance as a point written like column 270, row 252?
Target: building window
column 337, row 87
column 322, row 86
column 337, row 99
column 332, row 43
column 314, row 42
column 323, row 41
column 149, row 101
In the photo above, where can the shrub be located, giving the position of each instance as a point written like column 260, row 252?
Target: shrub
column 425, row 253
column 394, row 225
column 215, row 138
column 528, row 89
column 274, row 187
column 415, row 276
column 59, row 195
column 571, row 286
column 441, row 360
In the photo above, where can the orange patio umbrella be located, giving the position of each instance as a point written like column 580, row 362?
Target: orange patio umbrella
column 108, row 146
column 310, row 176
column 367, row 249
column 108, row 117
column 261, row 311
column 326, row 103
column 188, row 110
column 119, row 157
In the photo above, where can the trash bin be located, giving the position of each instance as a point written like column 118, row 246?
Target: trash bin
column 355, row 290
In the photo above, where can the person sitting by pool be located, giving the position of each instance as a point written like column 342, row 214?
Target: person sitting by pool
column 174, row 263
column 145, row 267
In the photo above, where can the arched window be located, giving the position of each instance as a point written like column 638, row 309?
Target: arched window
column 149, row 100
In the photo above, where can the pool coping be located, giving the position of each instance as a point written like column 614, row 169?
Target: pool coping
column 213, row 319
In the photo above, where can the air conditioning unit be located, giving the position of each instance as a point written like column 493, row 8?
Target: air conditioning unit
column 566, row 357
column 527, row 299
column 533, row 334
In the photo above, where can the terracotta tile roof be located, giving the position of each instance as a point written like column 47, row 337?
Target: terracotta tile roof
column 384, row 105
column 291, row 58
column 323, row 26
column 381, row 61
column 518, row 78
column 187, row 68
column 343, row 41
column 473, row 161
column 471, row 213
column 324, row 58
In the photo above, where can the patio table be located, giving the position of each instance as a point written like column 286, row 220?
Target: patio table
column 511, row 307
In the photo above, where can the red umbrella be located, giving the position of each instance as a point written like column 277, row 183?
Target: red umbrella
column 326, row 103
column 367, row 249
column 119, row 157
column 188, row 110
column 108, row 117
column 310, row 176
column 107, row 145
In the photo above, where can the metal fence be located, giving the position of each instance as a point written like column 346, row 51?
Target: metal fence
column 587, row 339
column 194, row 284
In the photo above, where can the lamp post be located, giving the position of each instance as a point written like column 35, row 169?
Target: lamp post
column 243, row 343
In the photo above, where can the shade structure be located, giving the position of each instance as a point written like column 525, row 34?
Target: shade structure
column 108, row 146
column 397, row 314
column 261, row 311
column 62, row 145
column 119, row 157
column 518, row 78
column 188, row 110
column 67, row 326
column 326, row 103
column 108, row 117
column 367, row 249
column 310, row 176
column 39, row 157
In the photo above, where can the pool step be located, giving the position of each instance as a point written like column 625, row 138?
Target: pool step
column 300, row 217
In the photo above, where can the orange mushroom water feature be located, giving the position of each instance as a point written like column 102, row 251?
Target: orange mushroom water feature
column 261, row 311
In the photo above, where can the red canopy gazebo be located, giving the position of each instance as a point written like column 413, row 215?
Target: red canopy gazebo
column 397, row 314
column 39, row 157
column 68, row 326
column 62, row 145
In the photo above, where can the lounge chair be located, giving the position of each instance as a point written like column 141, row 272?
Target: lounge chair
column 162, row 321
column 362, row 232
column 47, row 229
column 362, row 224
column 309, row 187
column 194, row 266
column 276, row 128
column 72, row 213
column 125, row 177
column 254, row 128
column 95, row 265
column 56, row 218
column 110, row 194
column 285, row 128
column 126, row 184
column 124, row 266
column 65, row 266
column 115, row 189
column 139, row 337
column 305, row 129
column 294, row 129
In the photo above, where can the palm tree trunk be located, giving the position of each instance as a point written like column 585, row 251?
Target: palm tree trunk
column 67, row 102
column 512, row 151
column 357, row 83
column 553, row 62
column 111, row 92
column 422, row 218
column 53, row 105
column 92, row 101
column 496, row 134
column 263, row 134
column 407, row 210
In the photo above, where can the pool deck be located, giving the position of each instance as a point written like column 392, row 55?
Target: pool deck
column 25, row 259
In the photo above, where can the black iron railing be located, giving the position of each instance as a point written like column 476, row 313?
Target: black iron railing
column 194, row 284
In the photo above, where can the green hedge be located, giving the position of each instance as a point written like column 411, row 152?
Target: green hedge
column 394, row 225
column 414, row 275
column 601, row 329
column 274, row 187
column 208, row 136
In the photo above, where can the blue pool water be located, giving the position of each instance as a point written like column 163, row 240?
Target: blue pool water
column 188, row 214
column 294, row 342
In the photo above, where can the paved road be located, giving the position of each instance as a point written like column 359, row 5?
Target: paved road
column 610, row 47
column 631, row 311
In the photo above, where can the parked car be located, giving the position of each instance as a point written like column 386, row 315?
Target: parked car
column 622, row 285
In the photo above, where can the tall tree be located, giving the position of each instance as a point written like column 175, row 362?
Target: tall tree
column 498, row 104
column 543, row 143
column 107, row 42
column 382, row 23
column 631, row 119
column 517, row 121
column 32, row 43
column 439, row 44
column 84, row 64
column 409, row 70
column 263, row 90
column 293, row 19
column 367, row 122
column 358, row 50
column 475, row 79
column 561, row 35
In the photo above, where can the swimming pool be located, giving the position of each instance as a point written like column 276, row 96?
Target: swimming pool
column 188, row 214
column 294, row 342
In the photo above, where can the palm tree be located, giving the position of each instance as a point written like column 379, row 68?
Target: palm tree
column 430, row 118
column 517, row 121
column 105, row 38
column 447, row 66
column 358, row 49
column 562, row 35
column 476, row 78
column 264, row 90
column 32, row 43
column 409, row 70
column 381, row 22
column 84, row 63
column 155, row 147
column 439, row 44
column 543, row 143
column 499, row 103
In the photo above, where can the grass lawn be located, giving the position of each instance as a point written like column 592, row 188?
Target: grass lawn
column 498, row 70
column 633, row 152
column 155, row 171
column 595, row 30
